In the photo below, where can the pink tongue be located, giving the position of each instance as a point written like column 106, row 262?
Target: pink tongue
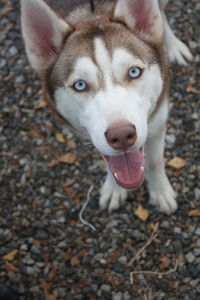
column 127, row 168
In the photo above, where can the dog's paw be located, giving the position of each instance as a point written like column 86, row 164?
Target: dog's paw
column 179, row 52
column 112, row 196
column 164, row 197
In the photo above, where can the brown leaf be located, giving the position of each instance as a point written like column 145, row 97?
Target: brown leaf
column 194, row 213
column 49, row 296
column 33, row 133
column 191, row 89
column 142, row 213
column 68, row 158
column 71, row 144
column 53, row 163
column 10, row 256
column 10, row 267
column 75, row 261
column 165, row 263
column 6, row 10
column 41, row 104
column 153, row 227
column 60, row 138
column 69, row 182
column 84, row 252
column 46, row 286
column 176, row 163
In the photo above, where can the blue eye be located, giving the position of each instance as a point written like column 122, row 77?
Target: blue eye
column 80, row 86
column 134, row 72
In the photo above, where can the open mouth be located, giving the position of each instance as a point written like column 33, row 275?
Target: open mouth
column 128, row 168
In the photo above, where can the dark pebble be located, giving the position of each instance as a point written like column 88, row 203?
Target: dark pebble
column 41, row 235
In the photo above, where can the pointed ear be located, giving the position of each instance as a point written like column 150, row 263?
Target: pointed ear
column 43, row 32
column 143, row 16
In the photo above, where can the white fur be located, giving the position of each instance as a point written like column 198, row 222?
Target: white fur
column 103, row 61
column 94, row 113
column 132, row 104
column 112, row 195
column 161, row 192
column 177, row 50
column 106, row 101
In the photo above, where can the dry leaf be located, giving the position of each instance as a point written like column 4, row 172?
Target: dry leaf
column 53, row 163
column 49, row 296
column 84, row 252
column 41, row 104
column 71, row 144
column 10, row 256
column 6, row 10
column 35, row 134
column 176, row 163
column 153, row 227
column 11, row 268
column 68, row 158
column 142, row 213
column 69, row 182
column 191, row 89
column 74, row 261
column 60, row 138
column 165, row 263
column 194, row 213
column 47, row 287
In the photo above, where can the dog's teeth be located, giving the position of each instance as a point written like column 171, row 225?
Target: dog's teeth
column 142, row 168
column 115, row 174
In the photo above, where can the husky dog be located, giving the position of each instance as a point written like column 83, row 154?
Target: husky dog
column 104, row 70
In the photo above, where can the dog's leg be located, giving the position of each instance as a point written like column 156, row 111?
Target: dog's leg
column 161, row 192
column 112, row 195
column 177, row 50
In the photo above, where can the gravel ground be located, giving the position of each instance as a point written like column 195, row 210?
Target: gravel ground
column 45, row 252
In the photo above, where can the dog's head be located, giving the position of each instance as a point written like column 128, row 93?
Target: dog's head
column 104, row 76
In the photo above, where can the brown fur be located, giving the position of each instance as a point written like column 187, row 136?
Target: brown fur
column 115, row 34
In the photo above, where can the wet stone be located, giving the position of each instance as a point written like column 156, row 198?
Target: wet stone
column 41, row 235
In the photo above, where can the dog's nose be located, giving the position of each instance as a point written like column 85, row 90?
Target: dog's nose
column 121, row 136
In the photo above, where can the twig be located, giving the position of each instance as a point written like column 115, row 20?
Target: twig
column 83, row 221
column 150, row 240
column 154, row 273
column 6, row 154
column 146, row 295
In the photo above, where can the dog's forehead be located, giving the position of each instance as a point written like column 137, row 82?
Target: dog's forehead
column 114, row 35
column 99, row 41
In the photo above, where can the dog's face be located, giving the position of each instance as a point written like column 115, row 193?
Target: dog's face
column 105, row 81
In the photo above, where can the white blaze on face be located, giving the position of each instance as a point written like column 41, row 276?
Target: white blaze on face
column 112, row 96
column 103, row 60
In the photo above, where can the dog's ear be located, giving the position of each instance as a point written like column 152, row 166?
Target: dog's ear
column 143, row 16
column 43, row 32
